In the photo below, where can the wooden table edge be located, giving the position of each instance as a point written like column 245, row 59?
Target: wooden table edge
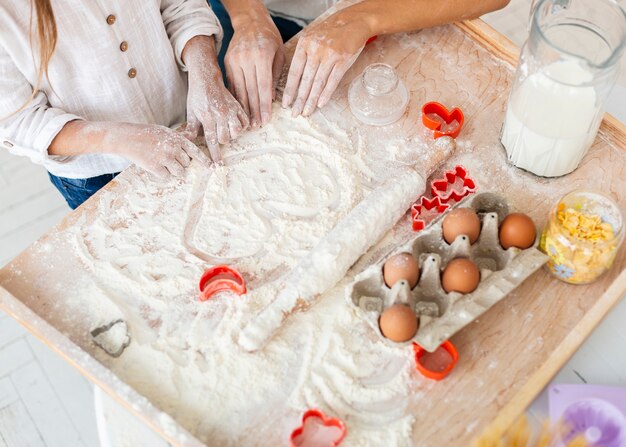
column 96, row 373
column 563, row 352
column 614, row 132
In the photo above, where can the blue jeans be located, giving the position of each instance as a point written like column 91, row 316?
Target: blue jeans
column 287, row 28
column 77, row 190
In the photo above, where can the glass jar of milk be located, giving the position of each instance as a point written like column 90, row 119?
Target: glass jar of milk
column 566, row 70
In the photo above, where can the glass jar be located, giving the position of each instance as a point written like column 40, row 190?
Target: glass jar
column 583, row 234
column 378, row 97
column 566, row 70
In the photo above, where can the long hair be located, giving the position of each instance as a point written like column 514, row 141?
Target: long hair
column 46, row 43
column 46, row 37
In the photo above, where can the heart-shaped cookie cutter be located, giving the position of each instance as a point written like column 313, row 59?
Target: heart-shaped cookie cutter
column 435, row 108
column 326, row 421
column 435, row 374
column 425, row 204
column 439, row 188
column 221, row 278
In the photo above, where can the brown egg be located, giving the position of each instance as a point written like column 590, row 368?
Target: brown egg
column 461, row 221
column 460, row 275
column 399, row 267
column 517, row 230
column 398, row 323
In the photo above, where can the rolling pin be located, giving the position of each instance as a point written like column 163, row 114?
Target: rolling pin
column 329, row 261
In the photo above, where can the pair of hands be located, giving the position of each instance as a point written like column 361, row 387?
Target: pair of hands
column 255, row 59
column 165, row 152
column 254, row 63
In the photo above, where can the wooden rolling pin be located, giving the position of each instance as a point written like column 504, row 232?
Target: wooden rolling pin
column 333, row 256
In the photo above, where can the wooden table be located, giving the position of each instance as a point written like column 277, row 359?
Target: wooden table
column 514, row 349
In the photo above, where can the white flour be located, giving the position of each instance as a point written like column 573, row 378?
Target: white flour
column 261, row 212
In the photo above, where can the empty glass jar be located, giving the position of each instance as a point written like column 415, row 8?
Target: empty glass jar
column 378, row 97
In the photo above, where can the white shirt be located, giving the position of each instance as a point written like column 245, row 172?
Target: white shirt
column 91, row 77
column 300, row 11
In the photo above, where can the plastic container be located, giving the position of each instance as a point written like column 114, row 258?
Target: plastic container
column 378, row 97
column 583, row 234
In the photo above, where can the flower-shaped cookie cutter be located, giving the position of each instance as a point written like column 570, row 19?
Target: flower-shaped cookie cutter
column 423, row 205
column 296, row 437
column 221, row 278
column 433, row 110
column 448, row 188
column 423, row 366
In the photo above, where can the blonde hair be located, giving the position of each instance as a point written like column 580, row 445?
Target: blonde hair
column 46, row 42
column 46, row 37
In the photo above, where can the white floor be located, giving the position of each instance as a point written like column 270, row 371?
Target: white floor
column 45, row 402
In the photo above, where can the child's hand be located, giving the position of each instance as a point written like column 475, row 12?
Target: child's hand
column 209, row 103
column 157, row 149
column 254, row 62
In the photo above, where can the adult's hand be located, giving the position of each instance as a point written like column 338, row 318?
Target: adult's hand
column 209, row 103
column 254, row 61
column 324, row 53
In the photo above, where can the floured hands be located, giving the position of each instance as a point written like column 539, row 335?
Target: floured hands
column 324, row 53
column 254, row 62
column 157, row 149
column 209, row 104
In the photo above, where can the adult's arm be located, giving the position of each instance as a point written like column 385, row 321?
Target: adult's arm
column 255, row 58
column 326, row 50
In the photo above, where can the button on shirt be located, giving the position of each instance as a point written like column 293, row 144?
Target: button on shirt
column 115, row 60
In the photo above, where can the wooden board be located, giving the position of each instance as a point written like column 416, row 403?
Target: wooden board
column 509, row 355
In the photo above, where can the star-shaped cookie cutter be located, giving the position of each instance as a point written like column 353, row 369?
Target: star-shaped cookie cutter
column 425, row 204
column 445, row 188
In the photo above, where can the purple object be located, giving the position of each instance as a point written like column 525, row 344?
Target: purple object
column 596, row 412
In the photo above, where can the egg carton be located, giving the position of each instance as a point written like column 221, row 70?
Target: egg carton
column 443, row 314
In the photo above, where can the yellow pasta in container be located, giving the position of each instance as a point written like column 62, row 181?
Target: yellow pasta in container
column 583, row 234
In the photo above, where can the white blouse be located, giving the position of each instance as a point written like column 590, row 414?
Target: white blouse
column 115, row 60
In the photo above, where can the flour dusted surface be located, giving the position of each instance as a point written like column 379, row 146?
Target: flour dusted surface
column 280, row 190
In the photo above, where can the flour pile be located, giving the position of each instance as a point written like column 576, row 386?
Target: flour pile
column 280, row 190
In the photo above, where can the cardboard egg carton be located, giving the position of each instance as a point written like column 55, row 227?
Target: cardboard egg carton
column 443, row 314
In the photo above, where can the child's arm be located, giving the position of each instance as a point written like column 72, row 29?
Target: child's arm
column 195, row 32
column 209, row 103
column 186, row 19
column 157, row 149
column 31, row 127
column 327, row 49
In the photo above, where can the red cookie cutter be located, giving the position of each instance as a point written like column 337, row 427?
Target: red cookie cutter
column 426, row 204
column 326, row 421
column 434, row 108
column 221, row 278
column 371, row 39
column 445, row 188
column 435, row 374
